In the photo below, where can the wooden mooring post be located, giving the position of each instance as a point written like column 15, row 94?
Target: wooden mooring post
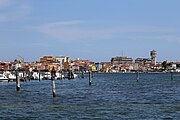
column 39, row 75
column 54, row 88
column 23, row 76
column 90, row 77
column 82, row 74
column 53, row 73
column 137, row 76
column 171, row 75
column 17, row 82
column 60, row 75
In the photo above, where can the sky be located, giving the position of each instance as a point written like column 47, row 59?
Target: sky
column 96, row 30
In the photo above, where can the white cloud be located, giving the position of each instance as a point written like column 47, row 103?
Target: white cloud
column 14, row 11
column 74, row 30
column 74, row 22
column 81, row 30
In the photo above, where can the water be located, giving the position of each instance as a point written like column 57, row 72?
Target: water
column 111, row 96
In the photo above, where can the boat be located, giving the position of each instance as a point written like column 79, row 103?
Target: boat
column 3, row 78
column 72, row 75
column 47, row 76
column 35, row 76
column 11, row 76
column 59, row 76
column 75, row 75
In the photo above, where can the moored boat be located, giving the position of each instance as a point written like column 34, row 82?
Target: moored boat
column 3, row 78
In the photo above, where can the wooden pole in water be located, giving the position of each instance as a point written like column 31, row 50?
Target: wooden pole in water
column 54, row 88
column 171, row 75
column 90, row 78
column 8, row 79
column 61, row 74
column 39, row 76
column 137, row 76
column 82, row 73
column 53, row 73
column 25, row 77
column 29, row 76
column 17, row 82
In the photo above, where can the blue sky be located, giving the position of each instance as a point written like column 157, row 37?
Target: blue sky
column 89, row 29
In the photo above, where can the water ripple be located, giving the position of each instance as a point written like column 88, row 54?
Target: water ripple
column 111, row 96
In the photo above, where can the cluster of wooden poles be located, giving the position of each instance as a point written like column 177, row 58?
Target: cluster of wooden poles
column 54, row 85
column 53, row 80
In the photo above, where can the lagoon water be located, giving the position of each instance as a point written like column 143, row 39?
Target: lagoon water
column 110, row 97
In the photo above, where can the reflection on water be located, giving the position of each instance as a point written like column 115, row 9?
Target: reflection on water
column 111, row 96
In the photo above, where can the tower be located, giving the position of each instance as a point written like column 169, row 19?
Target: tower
column 153, row 54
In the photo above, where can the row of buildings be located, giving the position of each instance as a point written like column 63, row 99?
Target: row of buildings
column 117, row 64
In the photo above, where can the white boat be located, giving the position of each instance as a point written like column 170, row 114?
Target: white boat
column 47, row 76
column 36, row 76
column 59, row 76
column 11, row 76
column 72, row 75
column 75, row 75
column 3, row 78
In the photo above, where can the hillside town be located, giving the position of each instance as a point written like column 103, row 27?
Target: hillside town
column 115, row 65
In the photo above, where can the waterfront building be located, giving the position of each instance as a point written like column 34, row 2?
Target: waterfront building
column 142, row 64
column 94, row 68
column 62, row 59
column 47, row 59
column 54, row 66
column 135, row 66
column 143, row 61
column 172, row 66
column 105, row 66
column 64, row 62
column 153, row 54
column 83, row 64
column 32, row 66
column 98, row 66
column 58, row 62
column 5, row 66
column 121, row 60
column 75, row 67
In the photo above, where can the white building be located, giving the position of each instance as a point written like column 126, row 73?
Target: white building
column 62, row 59
column 153, row 54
